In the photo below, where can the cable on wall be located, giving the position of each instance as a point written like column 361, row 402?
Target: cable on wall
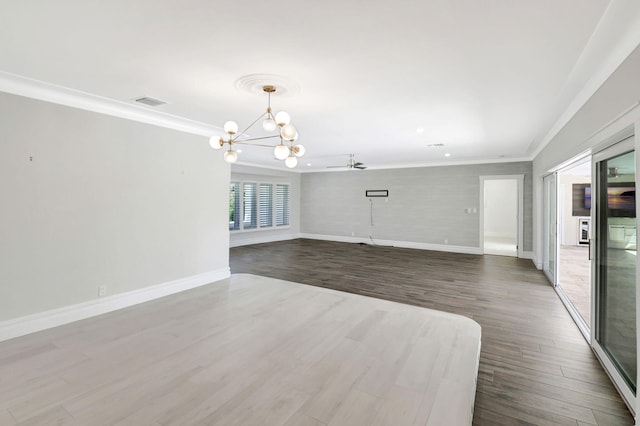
column 370, row 194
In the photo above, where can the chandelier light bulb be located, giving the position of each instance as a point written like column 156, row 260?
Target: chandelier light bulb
column 282, row 118
column 281, row 152
column 288, row 132
column 298, row 150
column 216, row 142
column 231, row 127
column 291, row 162
column 230, row 156
column 269, row 125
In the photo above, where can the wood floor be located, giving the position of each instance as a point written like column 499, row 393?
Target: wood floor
column 247, row 350
column 535, row 366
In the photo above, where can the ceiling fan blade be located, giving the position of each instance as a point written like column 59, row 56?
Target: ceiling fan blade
column 360, row 167
column 336, row 167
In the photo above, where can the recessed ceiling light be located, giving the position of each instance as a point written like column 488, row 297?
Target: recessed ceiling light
column 420, row 130
column 308, row 164
column 239, row 151
column 447, row 154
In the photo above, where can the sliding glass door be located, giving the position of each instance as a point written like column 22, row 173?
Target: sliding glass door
column 615, row 263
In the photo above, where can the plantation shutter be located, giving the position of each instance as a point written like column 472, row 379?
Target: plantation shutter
column 250, row 204
column 282, row 205
column 234, row 206
column 266, row 205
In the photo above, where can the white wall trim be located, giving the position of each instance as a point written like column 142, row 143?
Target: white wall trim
column 392, row 243
column 498, row 234
column 443, row 163
column 261, row 239
column 36, row 89
column 44, row 320
column 627, row 41
column 528, row 255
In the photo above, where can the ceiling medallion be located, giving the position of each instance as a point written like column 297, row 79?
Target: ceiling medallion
column 254, row 84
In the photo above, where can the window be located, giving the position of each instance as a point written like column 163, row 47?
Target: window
column 282, row 205
column 266, row 205
column 234, row 206
column 258, row 205
column 250, row 200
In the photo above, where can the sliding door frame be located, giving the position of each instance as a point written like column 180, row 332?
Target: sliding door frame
column 546, row 205
column 626, row 143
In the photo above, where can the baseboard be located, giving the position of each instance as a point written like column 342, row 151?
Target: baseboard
column 44, row 320
column 531, row 256
column 262, row 240
column 526, row 255
column 392, row 243
column 534, row 259
column 500, row 235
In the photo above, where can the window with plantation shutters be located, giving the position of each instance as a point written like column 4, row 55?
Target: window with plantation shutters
column 234, row 206
column 266, row 205
column 282, row 205
column 250, row 206
column 258, row 205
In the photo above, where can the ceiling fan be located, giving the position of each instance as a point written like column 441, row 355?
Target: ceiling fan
column 351, row 164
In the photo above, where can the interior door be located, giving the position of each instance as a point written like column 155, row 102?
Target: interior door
column 550, row 224
column 615, row 264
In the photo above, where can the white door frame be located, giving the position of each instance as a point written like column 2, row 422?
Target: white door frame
column 546, row 205
column 520, row 220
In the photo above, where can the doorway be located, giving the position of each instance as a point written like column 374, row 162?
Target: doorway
column 573, row 278
column 500, row 222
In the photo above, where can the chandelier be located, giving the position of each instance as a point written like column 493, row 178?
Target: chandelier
column 287, row 133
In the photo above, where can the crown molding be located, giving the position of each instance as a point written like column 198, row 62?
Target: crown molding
column 37, row 89
column 427, row 164
column 621, row 21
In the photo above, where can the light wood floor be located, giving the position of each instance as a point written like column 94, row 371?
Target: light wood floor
column 247, row 351
column 575, row 278
column 535, row 366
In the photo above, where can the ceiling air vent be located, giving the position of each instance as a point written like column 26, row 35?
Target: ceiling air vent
column 150, row 101
column 435, row 145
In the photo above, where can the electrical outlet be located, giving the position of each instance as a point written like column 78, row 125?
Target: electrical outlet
column 353, row 234
column 102, row 290
column 446, row 241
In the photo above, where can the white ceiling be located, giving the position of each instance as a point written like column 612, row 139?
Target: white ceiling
column 488, row 79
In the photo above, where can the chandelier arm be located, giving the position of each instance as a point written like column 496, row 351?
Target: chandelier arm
column 257, row 138
column 249, row 126
column 258, row 144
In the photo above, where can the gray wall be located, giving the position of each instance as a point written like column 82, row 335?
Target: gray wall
column 425, row 205
column 105, row 201
column 258, row 174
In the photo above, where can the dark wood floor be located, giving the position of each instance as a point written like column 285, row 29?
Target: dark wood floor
column 535, row 366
